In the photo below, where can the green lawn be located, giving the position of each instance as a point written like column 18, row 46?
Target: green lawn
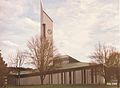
column 65, row 86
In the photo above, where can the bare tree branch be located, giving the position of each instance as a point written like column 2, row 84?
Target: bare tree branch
column 108, row 57
column 41, row 53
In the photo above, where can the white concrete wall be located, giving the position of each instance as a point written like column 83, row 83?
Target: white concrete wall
column 67, row 77
column 46, row 80
column 78, row 77
column 35, row 80
column 88, row 76
column 55, row 79
column 49, row 26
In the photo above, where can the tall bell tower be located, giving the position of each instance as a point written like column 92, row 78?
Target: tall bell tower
column 47, row 31
column 46, row 27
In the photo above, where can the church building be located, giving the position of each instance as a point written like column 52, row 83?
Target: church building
column 66, row 69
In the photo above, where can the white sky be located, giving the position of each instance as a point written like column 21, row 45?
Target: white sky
column 78, row 24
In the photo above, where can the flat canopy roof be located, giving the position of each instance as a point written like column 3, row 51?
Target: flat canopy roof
column 60, row 71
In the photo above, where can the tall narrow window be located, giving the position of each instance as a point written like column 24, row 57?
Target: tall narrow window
column 84, row 71
column 44, row 30
column 92, row 77
column 61, row 78
column 70, row 78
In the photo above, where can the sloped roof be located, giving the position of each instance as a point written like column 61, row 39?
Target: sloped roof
column 67, row 57
column 74, row 65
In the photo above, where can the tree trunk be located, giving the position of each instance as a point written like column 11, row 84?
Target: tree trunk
column 1, row 81
column 42, row 79
column 118, row 83
column 106, row 75
column 18, row 78
column 118, row 79
column 105, row 81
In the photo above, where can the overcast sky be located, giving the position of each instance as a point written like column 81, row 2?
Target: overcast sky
column 78, row 24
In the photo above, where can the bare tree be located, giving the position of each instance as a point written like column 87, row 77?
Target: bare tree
column 41, row 52
column 102, row 55
column 57, row 62
column 3, row 72
column 18, row 60
column 115, row 65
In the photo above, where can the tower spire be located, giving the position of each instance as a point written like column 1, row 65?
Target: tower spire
column 41, row 18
